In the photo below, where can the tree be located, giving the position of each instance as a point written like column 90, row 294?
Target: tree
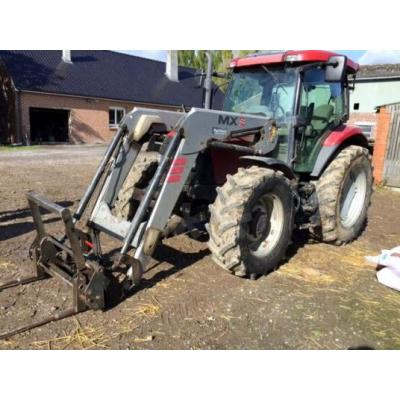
column 187, row 58
column 197, row 58
column 221, row 58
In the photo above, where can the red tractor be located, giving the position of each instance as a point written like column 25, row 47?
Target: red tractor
column 278, row 156
column 318, row 175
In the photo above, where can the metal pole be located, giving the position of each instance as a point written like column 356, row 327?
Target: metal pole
column 100, row 170
column 22, row 281
column 208, row 81
column 61, row 315
column 144, row 204
column 292, row 138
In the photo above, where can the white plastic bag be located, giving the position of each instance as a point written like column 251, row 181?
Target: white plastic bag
column 390, row 274
column 390, row 277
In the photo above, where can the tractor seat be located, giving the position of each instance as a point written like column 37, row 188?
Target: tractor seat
column 321, row 117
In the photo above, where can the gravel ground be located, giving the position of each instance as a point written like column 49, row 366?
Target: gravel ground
column 322, row 296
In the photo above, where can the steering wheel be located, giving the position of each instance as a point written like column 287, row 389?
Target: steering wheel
column 279, row 110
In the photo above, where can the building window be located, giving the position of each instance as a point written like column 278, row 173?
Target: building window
column 115, row 116
column 356, row 106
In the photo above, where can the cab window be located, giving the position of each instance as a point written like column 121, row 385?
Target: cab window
column 321, row 101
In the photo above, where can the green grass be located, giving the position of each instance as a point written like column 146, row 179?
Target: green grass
column 17, row 148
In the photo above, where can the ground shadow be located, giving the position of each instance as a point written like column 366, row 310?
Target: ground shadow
column 26, row 212
column 13, row 230
column 299, row 239
column 164, row 253
column 20, row 228
column 179, row 259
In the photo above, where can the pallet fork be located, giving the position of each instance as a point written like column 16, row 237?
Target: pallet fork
column 45, row 251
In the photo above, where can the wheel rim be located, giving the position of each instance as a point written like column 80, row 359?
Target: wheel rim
column 266, row 225
column 353, row 197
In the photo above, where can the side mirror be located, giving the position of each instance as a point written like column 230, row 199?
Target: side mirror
column 336, row 69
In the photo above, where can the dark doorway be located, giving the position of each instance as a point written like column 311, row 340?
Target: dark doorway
column 48, row 125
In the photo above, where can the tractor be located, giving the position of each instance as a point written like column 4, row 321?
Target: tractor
column 277, row 157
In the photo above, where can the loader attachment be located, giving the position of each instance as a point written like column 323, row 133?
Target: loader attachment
column 95, row 280
column 75, row 258
column 64, row 259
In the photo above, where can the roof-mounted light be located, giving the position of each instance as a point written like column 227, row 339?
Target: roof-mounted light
column 293, row 58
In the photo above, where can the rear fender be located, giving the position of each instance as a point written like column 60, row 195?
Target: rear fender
column 336, row 141
column 272, row 163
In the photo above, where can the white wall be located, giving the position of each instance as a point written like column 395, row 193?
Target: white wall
column 372, row 94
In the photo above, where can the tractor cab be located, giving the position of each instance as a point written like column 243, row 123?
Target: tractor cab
column 305, row 93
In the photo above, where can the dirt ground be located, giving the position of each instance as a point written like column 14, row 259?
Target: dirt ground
column 322, row 297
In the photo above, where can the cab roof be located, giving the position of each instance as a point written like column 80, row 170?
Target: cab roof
column 291, row 56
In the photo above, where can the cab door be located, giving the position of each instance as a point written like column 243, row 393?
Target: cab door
column 322, row 105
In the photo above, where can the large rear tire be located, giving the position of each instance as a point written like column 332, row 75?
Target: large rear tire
column 344, row 194
column 251, row 221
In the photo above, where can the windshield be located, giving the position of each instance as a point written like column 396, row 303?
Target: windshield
column 268, row 91
column 263, row 91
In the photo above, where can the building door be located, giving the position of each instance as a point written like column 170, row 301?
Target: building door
column 391, row 172
column 49, row 125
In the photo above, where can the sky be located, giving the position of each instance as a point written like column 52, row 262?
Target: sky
column 360, row 56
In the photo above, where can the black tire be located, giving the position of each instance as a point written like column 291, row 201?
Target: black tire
column 332, row 188
column 232, row 243
column 139, row 177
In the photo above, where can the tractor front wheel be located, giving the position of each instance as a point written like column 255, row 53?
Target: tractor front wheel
column 251, row 221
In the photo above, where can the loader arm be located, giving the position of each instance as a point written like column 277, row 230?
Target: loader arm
column 194, row 133
column 101, row 217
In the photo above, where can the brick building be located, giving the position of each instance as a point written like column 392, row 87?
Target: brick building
column 386, row 156
column 79, row 97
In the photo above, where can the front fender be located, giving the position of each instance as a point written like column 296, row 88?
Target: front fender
column 272, row 163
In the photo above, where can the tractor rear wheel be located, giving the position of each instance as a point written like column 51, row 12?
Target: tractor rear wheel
column 138, row 178
column 344, row 193
column 251, row 221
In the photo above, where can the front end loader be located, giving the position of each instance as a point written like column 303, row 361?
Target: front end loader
column 277, row 157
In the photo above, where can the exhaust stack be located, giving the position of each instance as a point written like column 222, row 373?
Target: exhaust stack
column 66, row 56
column 208, row 81
column 172, row 66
